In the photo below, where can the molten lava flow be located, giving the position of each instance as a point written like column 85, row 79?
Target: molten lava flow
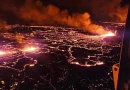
column 100, row 63
column 108, row 34
column 30, row 49
column 5, row 52
column 2, row 53
column 32, row 65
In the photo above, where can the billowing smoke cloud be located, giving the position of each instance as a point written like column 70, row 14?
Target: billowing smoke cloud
column 3, row 23
column 109, row 9
column 35, row 13
column 106, row 10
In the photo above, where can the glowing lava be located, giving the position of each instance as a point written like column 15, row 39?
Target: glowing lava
column 30, row 49
column 99, row 63
column 2, row 53
column 108, row 34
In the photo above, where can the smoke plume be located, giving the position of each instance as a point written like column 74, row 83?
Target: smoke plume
column 104, row 10
column 110, row 9
column 34, row 12
column 37, row 13
column 3, row 23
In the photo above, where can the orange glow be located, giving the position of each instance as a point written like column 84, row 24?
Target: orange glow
column 2, row 53
column 100, row 63
column 108, row 34
column 77, row 63
column 32, row 65
column 30, row 49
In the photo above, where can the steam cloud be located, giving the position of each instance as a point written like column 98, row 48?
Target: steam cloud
column 35, row 13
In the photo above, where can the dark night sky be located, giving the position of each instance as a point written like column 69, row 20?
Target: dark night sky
column 71, row 5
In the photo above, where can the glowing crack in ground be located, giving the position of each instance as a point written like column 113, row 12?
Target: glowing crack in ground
column 38, row 54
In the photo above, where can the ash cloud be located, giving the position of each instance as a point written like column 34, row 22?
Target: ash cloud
column 105, row 10
column 34, row 12
column 37, row 13
column 109, row 9
column 3, row 23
